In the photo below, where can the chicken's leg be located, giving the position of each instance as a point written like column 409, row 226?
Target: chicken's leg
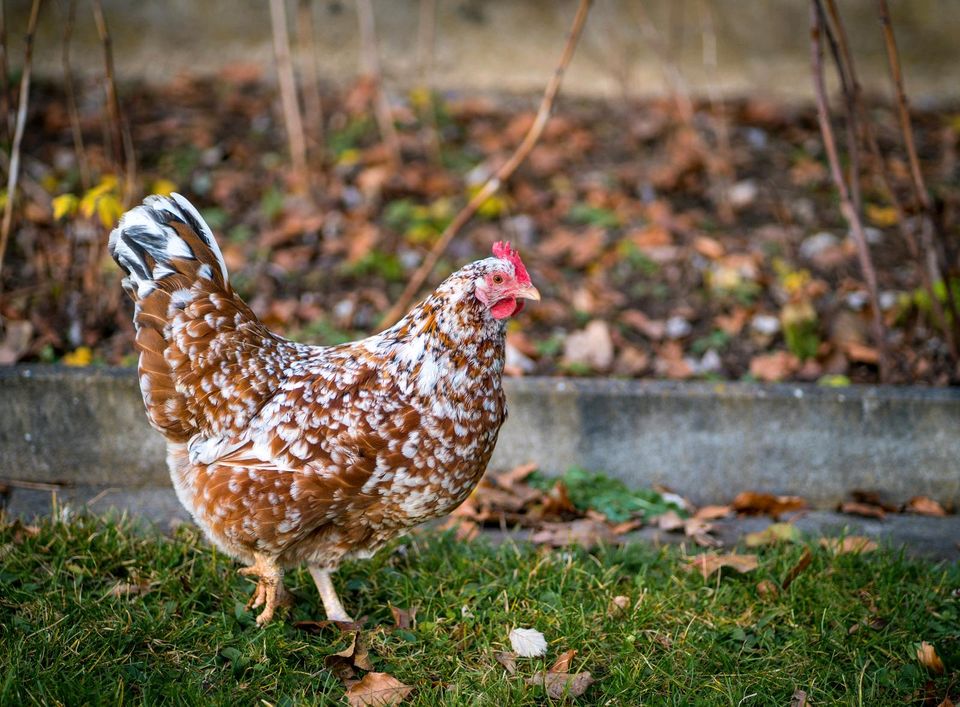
column 269, row 592
column 328, row 595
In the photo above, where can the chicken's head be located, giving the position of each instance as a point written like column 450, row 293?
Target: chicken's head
column 504, row 282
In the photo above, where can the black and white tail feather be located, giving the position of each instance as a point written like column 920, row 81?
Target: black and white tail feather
column 145, row 244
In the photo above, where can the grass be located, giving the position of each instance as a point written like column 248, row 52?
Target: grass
column 846, row 631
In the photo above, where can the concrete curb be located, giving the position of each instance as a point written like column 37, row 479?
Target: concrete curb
column 706, row 441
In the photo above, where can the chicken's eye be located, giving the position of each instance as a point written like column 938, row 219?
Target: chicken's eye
column 498, row 279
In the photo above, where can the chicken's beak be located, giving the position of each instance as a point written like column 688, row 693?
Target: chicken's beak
column 528, row 292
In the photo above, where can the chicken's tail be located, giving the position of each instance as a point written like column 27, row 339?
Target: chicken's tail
column 202, row 351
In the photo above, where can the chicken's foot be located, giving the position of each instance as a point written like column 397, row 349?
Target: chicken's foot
column 269, row 592
column 328, row 595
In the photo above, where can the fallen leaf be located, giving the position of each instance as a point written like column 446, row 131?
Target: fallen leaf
column 862, row 509
column 508, row 660
column 618, row 605
column 559, row 685
column 849, row 544
column 378, row 689
column 403, row 618
column 773, row 534
column 528, row 642
column 927, row 655
column 773, row 367
column 925, row 506
column 708, row 247
column 562, row 663
column 355, row 655
column 700, row 530
column 710, row 562
column 21, row 532
column 799, row 699
column 585, row 532
column 713, row 512
column 592, row 347
column 753, row 502
column 15, row 341
column 128, row 590
column 517, row 474
column 767, row 589
column 805, row 559
column 670, row 521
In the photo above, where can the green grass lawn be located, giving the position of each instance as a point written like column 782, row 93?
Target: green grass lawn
column 846, row 632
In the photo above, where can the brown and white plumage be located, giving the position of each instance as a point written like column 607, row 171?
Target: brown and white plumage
column 286, row 453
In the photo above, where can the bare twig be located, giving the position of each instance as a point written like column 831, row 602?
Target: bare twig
column 312, row 103
column 13, row 173
column 75, row 128
column 927, row 263
column 370, row 63
column 505, row 171
column 123, row 149
column 850, row 214
column 6, row 124
column 426, row 38
column 932, row 243
column 288, row 93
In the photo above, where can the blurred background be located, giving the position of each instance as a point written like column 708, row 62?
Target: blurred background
column 680, row 210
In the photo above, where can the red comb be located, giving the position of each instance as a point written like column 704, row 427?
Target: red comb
column 505, row 251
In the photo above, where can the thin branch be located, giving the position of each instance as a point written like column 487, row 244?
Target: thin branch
column 370, row 63
column 850, row 214
column 125, row 156
column 927, row 261
column 903, row 106
column 75, row 128
column 426, row 39
column 288, row 93
column 931, row 241
column 307, row 50
column 505, row 171
column 13, row 173
column 6, row 124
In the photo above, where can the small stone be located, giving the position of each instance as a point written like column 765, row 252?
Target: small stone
column 818, row 244
column 742, row 194
column 765, row 324
column 710, row 363
column 677, row 328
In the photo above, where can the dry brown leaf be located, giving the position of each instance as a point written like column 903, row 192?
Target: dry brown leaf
column 355, row 655
column 927, row 655
column 15, row 341
column 559, row 685
column 618, row 605
column 862, row 509
column 947, row 702
column 767, row 589
column 753, row 502
column 403, row 618
column 773, row 534
column 925, row 506
column 670, row 521
column 700, row 530
column 713, row 512
column 849, row 544
column 805, row 559
column 591, row 346
column 508, row 660
column 585, row 532
column 517, row 474
column 21, row 532
column 379, row 689
column 563, row 662
column 128, row 590
column 708, row 247
column 710, row 562
column 773, row 367
column 799, row 699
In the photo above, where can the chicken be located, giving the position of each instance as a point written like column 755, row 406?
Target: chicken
column 286, row 453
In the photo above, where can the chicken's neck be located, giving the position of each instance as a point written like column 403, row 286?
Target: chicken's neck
column 449, row 339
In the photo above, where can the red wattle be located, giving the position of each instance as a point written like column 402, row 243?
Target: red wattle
column 504, row 308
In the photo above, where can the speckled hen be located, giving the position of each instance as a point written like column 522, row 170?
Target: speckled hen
column 286, row 453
